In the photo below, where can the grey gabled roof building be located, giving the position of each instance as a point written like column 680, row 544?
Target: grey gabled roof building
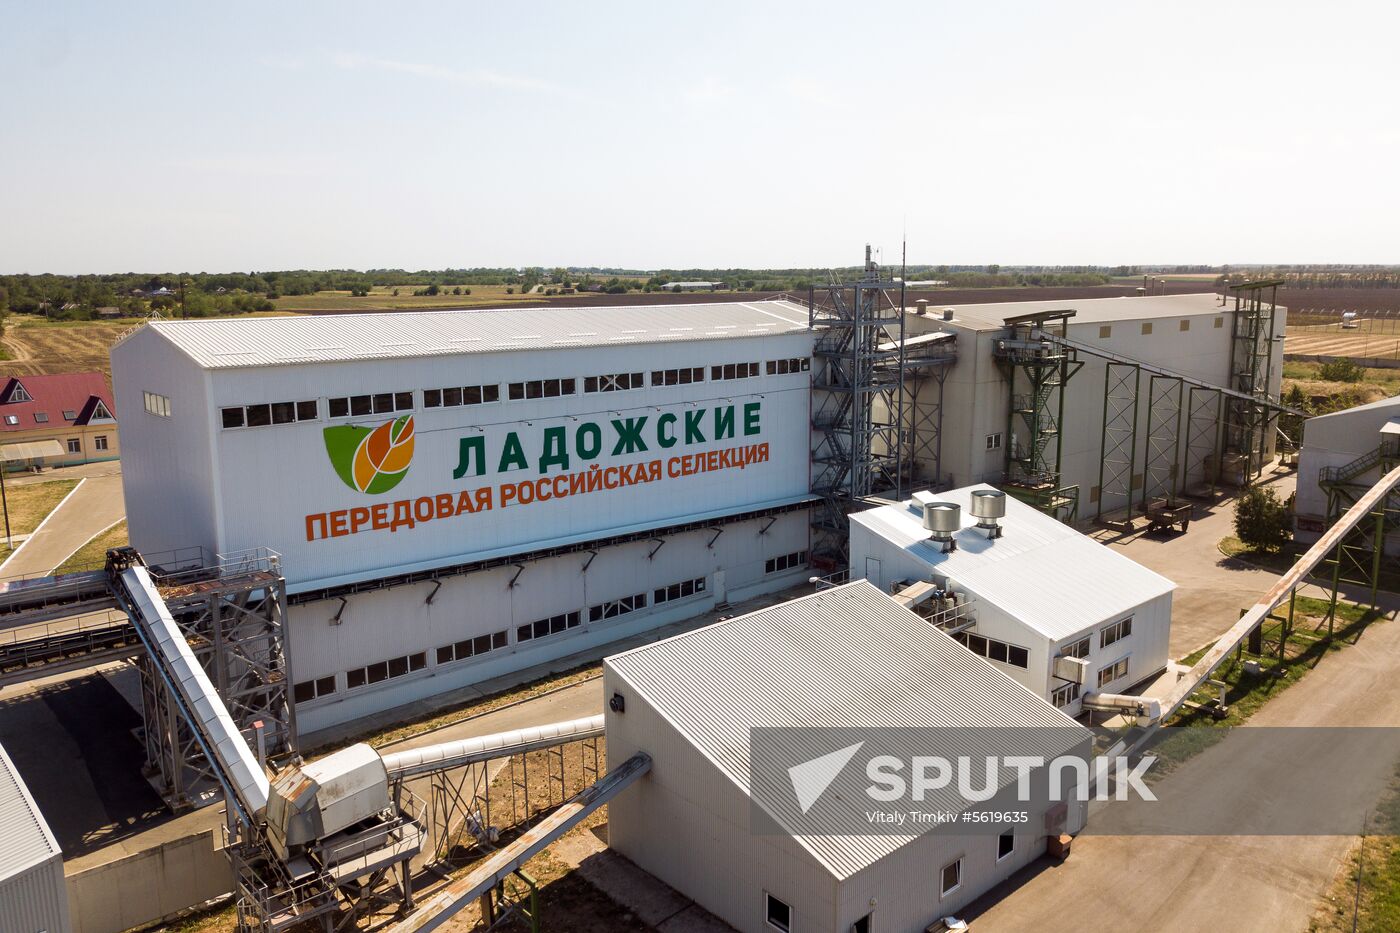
column 848, row 656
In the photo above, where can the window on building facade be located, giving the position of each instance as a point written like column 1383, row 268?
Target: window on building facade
column 614, row 382
column 472, row 647
column 1006, row 844
column 550, row 626
column 157, row 405
column 1079, row 649
column 359, row 406
column 1064, row 695
column 617, row 607
column 677, row 377
column 785, row 562
column 1113, row 672
column 380, row 671
column 255, row 416
column 75, row 445
column 994, row 649
column 1116, row 632
column 733, row 371
column 41, row 417
column 1105, row 331
column 453, row 396
column 682, row 590
column 313, row 689
column 783, row 367
column 778, row 914
column 540, row 388
column 1185, row 325
column 994, row 441
column 950, row 879
column 1146, row 328
column 100, row 442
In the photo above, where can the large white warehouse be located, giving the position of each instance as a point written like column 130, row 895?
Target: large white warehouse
column 460, row 495
column 1152, row 438
column 847, row 658
column 1343, row 453
column 1030, row 592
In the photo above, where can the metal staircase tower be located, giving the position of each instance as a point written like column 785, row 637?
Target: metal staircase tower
column 1037, row 371
column 858, row 397
column 1249, row 419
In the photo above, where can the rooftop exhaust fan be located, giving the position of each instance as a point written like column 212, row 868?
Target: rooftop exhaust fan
column 943, row 519
column 988, row 505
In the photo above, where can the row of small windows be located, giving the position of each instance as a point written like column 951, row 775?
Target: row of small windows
column 380, row 671
column 614, row 382
column 386, row 403
column 995, row 650
column 785, row 562
column 733, row 371
column 1106, row 330
column 551, row 626
column 1115, row 632
column 796, row 365
column 255, row 416
column 453, row 396
column 380, row 403
column 682, row 590
column 472, row 647
column 1113, row 672
column 1065, row 694
column 157, row 405
column 617, row 607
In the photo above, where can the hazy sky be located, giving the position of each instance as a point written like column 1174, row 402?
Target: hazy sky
column 203, row 136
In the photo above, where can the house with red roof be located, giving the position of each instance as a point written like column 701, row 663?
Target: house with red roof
column 57, row 420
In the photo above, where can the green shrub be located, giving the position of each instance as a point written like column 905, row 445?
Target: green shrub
column 1261, row 519
column 1342, row 370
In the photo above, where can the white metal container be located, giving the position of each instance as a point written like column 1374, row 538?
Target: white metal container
column 33, row 896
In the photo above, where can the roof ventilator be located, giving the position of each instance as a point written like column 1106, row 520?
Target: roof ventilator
column 943, row 519
column 989, row 505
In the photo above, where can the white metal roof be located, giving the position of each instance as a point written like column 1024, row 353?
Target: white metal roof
column 991, row 316
column 1041, row 571
column 25, row 840
column 228, row 343
column 848, row 656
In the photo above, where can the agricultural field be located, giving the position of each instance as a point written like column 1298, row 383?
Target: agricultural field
column 1374, row 337
column 382, row 298
column 1336, row 300
column 36, row 347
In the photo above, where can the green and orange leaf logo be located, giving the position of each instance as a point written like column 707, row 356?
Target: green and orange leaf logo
column 371, row 460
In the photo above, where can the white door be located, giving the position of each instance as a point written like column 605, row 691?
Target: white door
column 872, row 570
column 719, row 586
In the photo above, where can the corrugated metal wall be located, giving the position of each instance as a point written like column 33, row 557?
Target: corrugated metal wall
column 35, row 900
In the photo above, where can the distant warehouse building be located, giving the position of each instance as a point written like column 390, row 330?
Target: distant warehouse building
column 1052, row 608
column 850, row 664
column 461, row 495
column 1343, row 454
column 1125, row 430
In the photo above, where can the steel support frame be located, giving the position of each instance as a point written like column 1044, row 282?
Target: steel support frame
column 1248, row 423
column 1118, row 444
column 1037, row 379
column 236, row 630
column 1161, row 465
column 858, row 403
column 1205, row 424
column 924, row 386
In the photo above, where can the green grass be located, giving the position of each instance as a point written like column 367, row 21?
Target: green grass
column 1375, row 902
column 1307, row 644
column 93, row 555
column 30, row 504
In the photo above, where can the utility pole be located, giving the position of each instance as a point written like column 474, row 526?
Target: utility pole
column 5, row 504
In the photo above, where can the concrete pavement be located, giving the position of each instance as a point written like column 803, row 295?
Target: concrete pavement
column 1126, row 884
column 93, row 506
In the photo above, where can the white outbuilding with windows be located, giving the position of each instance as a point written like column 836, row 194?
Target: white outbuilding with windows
column 848, row 657
column 1053, row 608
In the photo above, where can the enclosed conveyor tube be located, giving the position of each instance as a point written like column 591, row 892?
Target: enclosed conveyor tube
column 233, row 761
column 449, row 755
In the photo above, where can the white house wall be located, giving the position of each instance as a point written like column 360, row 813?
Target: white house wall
column 975, row 399
column 169, row 476
column 281, row 478
column 398, row 621
column 689, row 825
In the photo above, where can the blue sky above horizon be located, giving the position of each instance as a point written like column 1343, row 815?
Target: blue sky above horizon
column 202, row 137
